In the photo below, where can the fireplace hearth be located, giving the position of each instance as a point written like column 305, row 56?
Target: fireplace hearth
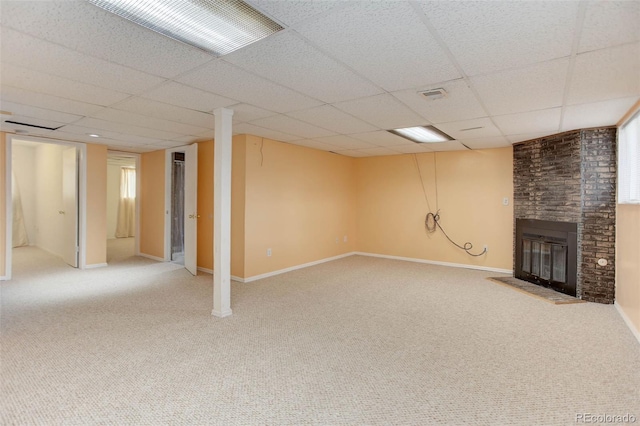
column 546, row 254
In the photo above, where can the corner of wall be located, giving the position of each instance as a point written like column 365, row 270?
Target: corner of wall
column 96, row 205
column 3, row 207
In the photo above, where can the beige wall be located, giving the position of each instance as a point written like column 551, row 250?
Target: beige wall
column 152, row 206
column 238, row 182
column 3, row 207
column 205, row 204
column 628, row 262
column 96, row 204
column 391, row 205
column 298, row 202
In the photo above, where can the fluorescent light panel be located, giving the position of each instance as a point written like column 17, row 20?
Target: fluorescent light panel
column 216, row 26
column 422, row 134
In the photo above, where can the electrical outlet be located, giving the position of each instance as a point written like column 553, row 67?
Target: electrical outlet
column 345, row 238
column 505, row 201
column 337, row 240
column 268, row 252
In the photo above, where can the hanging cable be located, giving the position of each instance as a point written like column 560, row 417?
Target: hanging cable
column 432, row 220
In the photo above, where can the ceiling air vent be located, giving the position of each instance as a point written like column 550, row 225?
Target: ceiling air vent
column 433, row 94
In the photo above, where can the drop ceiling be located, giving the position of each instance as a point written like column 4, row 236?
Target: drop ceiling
column 336, row 78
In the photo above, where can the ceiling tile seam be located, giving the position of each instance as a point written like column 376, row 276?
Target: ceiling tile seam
column 431, row 28
column 577, row 35
column 252, row 122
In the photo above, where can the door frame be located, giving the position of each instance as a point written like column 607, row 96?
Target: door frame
column 82, row 197
column 136, row 156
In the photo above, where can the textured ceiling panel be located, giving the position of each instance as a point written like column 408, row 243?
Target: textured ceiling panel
column 492, row 36
column 315, row 144
column 345, row 142
column 167, row 112
column 288, row 60
column 380, row 138
column 606, row 74
column 333, row 119
column 459, row 104
column 41, row 100
column 39, row 55
column 263, row 132
column 244, row 112
column 529, row 122
column 414, row 148
column 81, row 26
column 470, row 129
column 371, row 152
column 58, row 86
column 188, row 97
column 489, row 142
column 230, row 81
column 39, row 113
column 605, row 113
column 510, row 91
column 447, row 146
column 383, row 111
column 610, row 23
column 126, row 129
column 384, row 41
column 292, row 126
column 128, row 117
column 292, row 11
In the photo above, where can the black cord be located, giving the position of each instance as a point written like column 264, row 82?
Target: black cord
column 432, row 223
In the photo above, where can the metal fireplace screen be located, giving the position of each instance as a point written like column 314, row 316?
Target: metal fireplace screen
column 546, row 254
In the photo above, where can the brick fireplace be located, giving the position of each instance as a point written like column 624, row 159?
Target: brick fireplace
column 571, row 178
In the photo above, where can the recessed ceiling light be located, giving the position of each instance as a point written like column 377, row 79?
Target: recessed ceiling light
column 216, row 26
column 422, row 134
column 93, row 135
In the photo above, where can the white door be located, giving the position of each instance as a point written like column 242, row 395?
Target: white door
column 191, row 208
column 70, row 206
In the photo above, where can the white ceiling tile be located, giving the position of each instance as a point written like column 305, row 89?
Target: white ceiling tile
column 610, row 23
column 369, row 152
column 413, row 148
column 134, row 119
column 86, row 28
column 606, row 74
column 447, row 146
column 251, row 129
column 107, row 137
column 460, row 103
column 315, row 144
column 345, row 142
column 353, row 153
column 58, row 86
column 525, row 89
column 489, row 142
column 98, row 125
column 469, row 129
column 245, row 112
column 292, row 11
column 209, row 134
column 39, row 114
column 496, row 35
column 329, row 117
column 380, row 138
column 41, row 100
column 546, row 120
column 384, row 41
column 290, row 61
column 232, row 82
column 29, row 52
column 605, row 113
column 292, row 126
column 167, row 112
column 527, row 136
column 187, row 97
column 383, row 111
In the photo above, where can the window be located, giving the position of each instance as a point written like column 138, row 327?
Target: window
column 629, row 161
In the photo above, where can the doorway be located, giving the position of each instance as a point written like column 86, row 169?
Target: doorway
column 181, row 221
column 123, row 205
column 45, row 198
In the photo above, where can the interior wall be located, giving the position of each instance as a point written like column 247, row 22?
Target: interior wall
column 628, row 262
column 298, row 203
column 96, row 238
column 3, row 205
column 205, row 205
column 23, row 158
column 152, row 208
column 49, row 222
column 113, row 198
column 471, row 186
column 238, row 185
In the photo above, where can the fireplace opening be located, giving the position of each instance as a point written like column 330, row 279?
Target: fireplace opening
column 546, row 254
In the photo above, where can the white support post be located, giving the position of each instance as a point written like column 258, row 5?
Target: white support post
column 222, row 214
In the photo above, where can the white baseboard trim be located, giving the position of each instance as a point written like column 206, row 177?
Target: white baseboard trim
column 239, row 279
column 148, row 256
column 437, row 262
column 95, row 265
column 627, row 320
column 292, row 268
column 4, row 278
column 222, row 314
column 208, row 271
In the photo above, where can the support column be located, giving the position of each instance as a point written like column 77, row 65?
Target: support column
column 222, row 214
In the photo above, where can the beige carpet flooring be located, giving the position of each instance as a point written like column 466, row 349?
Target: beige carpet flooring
column 357, row 341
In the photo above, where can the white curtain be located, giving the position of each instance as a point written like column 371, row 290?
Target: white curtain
column 126, row 226
column 20, row 237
